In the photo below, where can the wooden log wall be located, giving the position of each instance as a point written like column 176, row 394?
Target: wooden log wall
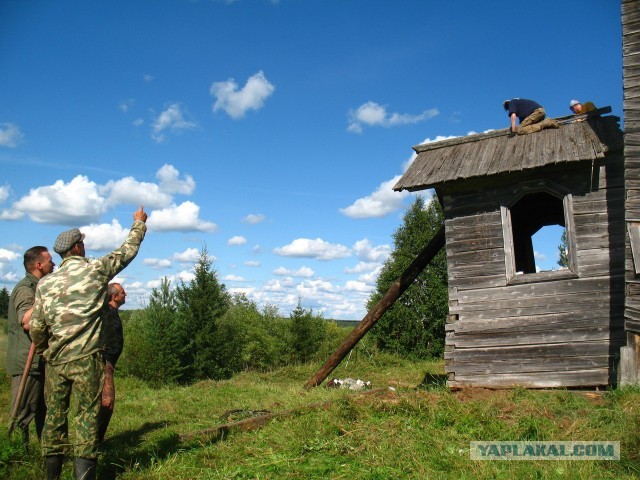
column 630, row 355
column 561, row 329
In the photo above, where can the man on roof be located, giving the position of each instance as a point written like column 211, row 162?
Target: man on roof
column 577, row 107
column 531, row 115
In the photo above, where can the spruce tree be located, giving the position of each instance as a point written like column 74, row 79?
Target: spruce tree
column 4, row 302
column 414, row 325
column 200, row 304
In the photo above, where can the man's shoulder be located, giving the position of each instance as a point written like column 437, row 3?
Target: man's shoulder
column 25, row 285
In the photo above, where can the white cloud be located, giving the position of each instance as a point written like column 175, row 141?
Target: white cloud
column 318, row 248
column 148, row 78
column 254, row 218
column 237, row 240
column 11, row 215
column 138, row 122
column 170, row 181
column 233, row 278
column 182, row 218
column 190, row 255
column 378, row 204
column 364, row 250
column 125, row 105
column 10, row 135
column 172, row 119
column 251, row 263
column 357, row 286
column 372, row 114
column 157, row 263
column 70, row 203
column 236, row 102
column 7, row 256
column 363, row 267
column 104, row 236
column 4, row 192
column 130, row 191
column 301, row 272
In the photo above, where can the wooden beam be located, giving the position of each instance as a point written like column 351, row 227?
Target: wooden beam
column 220, row 432
column 393, row 293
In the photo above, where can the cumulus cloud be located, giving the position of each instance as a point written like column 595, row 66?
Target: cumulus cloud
column 11, row 215
column 233, row 278
column 104, row 236
column 130, row 191
column 180, row 218
column 172, row 119
column 7, row 256
column 72, row 203
column 157, row 263
column 363, row 267
column 251, row 263
column 365, row 250
column 10, row 135
column 236, row 102
column 378, row 204
column 170, row 181
column 372, row 114
column 301, row 272
column 318, row 248
column 190, row 255
column 125, row 105
column 4, row 192
column 254, row 218
column 237, row 240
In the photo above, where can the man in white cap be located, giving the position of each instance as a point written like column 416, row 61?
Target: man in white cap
column 578, row 107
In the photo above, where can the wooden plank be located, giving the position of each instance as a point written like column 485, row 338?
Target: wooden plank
column 540, row 366
column 588, row 334
column 579, row 378
column 511, row 353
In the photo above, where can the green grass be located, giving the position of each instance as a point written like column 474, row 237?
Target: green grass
column 417, row 431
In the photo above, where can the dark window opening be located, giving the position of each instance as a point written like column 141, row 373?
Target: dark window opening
column 531, row 213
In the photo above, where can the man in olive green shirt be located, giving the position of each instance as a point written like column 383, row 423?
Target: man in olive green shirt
column 37, row 264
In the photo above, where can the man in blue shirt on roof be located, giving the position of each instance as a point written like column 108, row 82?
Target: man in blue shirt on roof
column 531, row 115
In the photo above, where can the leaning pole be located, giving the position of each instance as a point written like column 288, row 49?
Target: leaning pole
column 393, row 293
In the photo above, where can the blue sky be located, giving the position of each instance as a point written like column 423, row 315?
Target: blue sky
column 269, row 131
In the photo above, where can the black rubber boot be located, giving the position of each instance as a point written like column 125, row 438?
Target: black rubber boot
column 54, row 466
column 85, row 468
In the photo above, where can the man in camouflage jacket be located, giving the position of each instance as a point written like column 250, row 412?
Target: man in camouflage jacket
column 37, row 263
column 65, row 327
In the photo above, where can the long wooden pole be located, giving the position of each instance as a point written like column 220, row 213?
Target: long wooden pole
column 23, row 381
column 393, row 293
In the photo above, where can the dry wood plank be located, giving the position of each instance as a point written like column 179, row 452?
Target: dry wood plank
column 581, row 378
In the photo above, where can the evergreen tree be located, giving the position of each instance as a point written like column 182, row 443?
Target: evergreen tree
column 414, row 325
column 4, row 302
column 563, row 259
column 155, row 345
column 200, row 305
column 307, row 332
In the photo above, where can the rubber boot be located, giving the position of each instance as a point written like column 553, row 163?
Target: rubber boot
column 54, row 466
column 85, row 468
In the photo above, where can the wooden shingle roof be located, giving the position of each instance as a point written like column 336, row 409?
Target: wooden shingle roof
column 497, row 152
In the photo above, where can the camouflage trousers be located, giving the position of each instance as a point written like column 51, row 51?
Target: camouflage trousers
column 83, row 377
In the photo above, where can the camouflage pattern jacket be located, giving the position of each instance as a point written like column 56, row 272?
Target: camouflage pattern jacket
column 18, row 340
column 66, row 323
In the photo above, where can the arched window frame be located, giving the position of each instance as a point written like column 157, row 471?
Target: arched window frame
column 507, row 228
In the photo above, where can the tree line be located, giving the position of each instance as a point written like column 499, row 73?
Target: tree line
column 198, row 330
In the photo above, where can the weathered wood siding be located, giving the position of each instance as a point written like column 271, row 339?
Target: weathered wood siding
column 630, row 361
column 552, row 332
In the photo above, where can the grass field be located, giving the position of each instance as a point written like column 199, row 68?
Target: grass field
column 418, row 430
